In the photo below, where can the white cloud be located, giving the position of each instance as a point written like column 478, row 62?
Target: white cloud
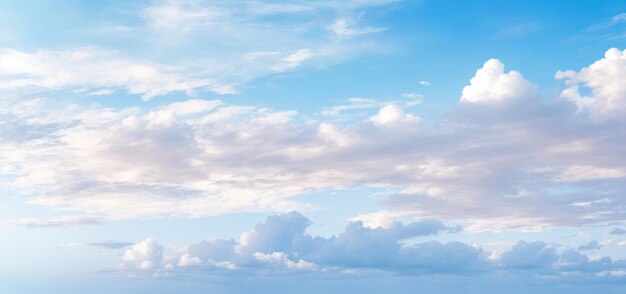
column 169, row 53
column 294, row 60
column 491, row 85
column 584, row 173
column 615, row 20
column 605, row 80
column 392, row 114
column 182, row 16
column 110, row 244
column 188, row 260
column 347, row 28
column 280, row 245
column 185, row 159
column 62, row 221
column 413, row 99
column 146, row 255
column 351, row 104
column 94, row 69
column 282, row 259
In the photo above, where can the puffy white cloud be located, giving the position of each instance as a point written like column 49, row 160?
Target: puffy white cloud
column 146, row 255
column 605, row 80
column 282, row 241
column 491, row 85
column 188, row 260
column 392, row 114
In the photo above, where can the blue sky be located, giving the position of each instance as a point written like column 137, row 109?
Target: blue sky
column 312, row 146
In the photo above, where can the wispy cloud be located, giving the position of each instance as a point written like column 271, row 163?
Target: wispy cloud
column 615, row 20
column 519, row 30
column 110, row 244
column 63, row 221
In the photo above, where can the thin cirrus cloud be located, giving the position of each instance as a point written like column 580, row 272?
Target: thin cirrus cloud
column 243, row 48
column 62, row 221
column 105, row 72
column 615, row 20
column 110, row 244
column 506, row 157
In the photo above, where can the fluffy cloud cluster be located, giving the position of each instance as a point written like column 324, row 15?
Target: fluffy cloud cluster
column 605, row 81
column 281, row 242
column 505, row 158
column 281, row 245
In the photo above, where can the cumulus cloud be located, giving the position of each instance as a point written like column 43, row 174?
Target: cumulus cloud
column 281, row 242
column 265, row 250
column 146, row 255
column 491, row 85
column 392, row 114
column 605, row 80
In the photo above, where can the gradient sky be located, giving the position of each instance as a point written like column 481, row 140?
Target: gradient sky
column 355, row 146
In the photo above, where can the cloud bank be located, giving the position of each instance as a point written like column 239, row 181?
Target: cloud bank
column 506, row 157
column 280, row 245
